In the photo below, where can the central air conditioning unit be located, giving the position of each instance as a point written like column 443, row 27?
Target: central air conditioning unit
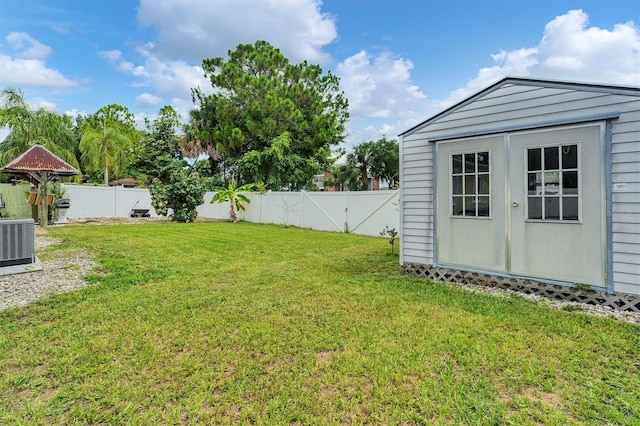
column 17, row 242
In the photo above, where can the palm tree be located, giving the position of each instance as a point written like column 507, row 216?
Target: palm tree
column 361, row 159
column 198, row 134
column 105, row 149
column 235, row 195
column 345, row 177
column 28, row 127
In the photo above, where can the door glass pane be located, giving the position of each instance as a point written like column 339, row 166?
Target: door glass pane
column 470, row 184
column 456, row 183
column 570, row 183
column 470, row 175
column 551, row 183
column 551, row 159
column 534, row 210
column 552, row 173
column 534, row 160
column 483, row 206
column 458, row 208
column 483, row 184
column 469, row 206
column 552, row 208
column 569, row 208
column 570, row 157
column 456, row 163
column 483, row 162
column 534, row 183
column 469, row 163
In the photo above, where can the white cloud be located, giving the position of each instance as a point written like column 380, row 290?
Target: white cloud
column 27, row 67
column 113, row 56
column 381, row 96
column 38, row 103
column 172, row 79
column 571, row 50
column 75, row 113
column 31, row 72
column 147, row 100
column 378, row 86
column 374, row 132
column 195, row 29
column 26, row 46
column 568, row 50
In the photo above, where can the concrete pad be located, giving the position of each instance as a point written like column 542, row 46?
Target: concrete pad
column 35, row 266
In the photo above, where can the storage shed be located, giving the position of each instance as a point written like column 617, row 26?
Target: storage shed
column 531, row 185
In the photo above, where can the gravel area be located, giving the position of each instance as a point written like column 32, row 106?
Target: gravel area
column 58, row 275
column 65, row 274
column 594, row 310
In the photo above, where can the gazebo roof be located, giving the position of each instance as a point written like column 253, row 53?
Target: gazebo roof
column 39, row 159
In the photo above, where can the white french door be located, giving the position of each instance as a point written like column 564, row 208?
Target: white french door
column 528, row 204
column 557, row 206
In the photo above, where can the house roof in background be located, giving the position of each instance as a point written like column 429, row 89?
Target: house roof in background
column 39, row 159
column 128, row 182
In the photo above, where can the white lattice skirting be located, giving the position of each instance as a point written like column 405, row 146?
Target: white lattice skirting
column 618, row 301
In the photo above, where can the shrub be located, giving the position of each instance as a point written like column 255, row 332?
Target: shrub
column 183, row 192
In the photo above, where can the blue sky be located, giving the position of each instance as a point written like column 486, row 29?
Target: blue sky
column 399, row 61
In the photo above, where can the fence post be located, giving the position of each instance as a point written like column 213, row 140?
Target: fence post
column 302, row 193
column 116, row 204
column 346, row 214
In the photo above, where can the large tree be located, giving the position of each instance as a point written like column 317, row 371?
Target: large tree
column 158, row 145
column 198, row 137
column 112, row 115
column 28, row 126
column 385, row 160
column 258, row 97
column 109, row 138
column 277, row 166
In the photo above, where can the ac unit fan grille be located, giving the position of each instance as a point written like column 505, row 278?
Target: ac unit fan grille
column 16, row 241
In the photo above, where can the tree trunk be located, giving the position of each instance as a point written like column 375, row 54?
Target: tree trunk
column 232, row 213
column 364, row 176
column 213, row 165
column 106, row 175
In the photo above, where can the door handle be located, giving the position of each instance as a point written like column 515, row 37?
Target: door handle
column 515, row 204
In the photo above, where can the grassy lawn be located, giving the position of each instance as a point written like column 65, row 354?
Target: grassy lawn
column 219, row 323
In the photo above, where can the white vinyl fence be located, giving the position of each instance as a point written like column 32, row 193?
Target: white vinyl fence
column 366, row 212
column 101, row 201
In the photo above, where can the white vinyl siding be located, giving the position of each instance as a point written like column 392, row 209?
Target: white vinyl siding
column 625, row 165
column 519, row 106
column 417, row 201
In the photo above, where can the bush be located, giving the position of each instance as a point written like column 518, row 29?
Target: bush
column 183, row 192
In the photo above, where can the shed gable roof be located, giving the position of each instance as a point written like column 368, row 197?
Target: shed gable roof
column 588, row 87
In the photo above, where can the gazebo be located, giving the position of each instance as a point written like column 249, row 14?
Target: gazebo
column 42, row 166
